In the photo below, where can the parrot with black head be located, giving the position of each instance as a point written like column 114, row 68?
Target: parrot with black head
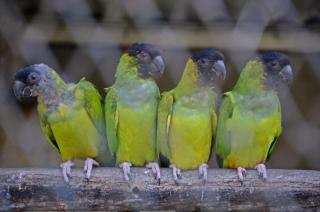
column 71, row 116
column 250, row 115
column 187, row 116
column 131, row 108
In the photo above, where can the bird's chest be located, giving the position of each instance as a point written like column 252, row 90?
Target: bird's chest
column 74, row 132
column 257, row 106
column 65, row 110
column 191, row 113
column 63, row 113
column 137, row 96
column 195, row 103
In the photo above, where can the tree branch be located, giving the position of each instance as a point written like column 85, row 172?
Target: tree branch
column 44, row 189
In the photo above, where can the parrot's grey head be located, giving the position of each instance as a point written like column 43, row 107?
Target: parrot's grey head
column 149, row 59
column 277, row 70
column 28, row 81
column 210, row 63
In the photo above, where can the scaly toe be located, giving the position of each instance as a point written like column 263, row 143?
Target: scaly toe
column 89, row 163
column 126, row 170
column 66, row 170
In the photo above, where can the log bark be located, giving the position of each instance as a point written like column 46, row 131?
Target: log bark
column 44, row 189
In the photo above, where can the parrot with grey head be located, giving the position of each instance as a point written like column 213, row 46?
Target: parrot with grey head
column 187, row 117
column 131, row 108
column 71, row 116
column 250, row 115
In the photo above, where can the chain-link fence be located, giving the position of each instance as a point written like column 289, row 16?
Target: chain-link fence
column 85, row 38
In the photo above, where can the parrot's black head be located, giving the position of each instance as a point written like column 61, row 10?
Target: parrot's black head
column 149, row 59
column 277, row 68
column 210, row 63
column 27, row 80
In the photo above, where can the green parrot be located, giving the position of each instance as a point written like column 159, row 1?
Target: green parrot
column 131, row 109
column 187, row 117
column 250, row 115
column 71, row 116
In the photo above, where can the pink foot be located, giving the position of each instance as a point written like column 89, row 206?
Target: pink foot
column 66, row 169
column 155, row 170
column 262, row 170
column 126, row 170
column 88, row 164
column 242, row 173
column 203, row 172
column 176, row 172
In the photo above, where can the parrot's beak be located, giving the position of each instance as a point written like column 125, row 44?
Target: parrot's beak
column 21, row 90
column 220, row 69
column 157, row 66
column 286, row 74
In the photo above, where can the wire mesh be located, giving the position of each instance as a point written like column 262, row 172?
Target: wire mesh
column 86, row 38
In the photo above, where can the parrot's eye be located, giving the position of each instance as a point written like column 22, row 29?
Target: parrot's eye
column 143, row 56
column 203, row 62
column 33, row 78
column 275, row 65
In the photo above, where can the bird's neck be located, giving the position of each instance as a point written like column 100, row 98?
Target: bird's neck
column 189, row 82
column 51, row 89
column 251, row 80
column 127, row 70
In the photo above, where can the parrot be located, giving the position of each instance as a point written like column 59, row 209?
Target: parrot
column 249, row 120
column 71, row 116
column 131, row 105
column 187, row 117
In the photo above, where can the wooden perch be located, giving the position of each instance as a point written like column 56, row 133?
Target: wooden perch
column 44, row 189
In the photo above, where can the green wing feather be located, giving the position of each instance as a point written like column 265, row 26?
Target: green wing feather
column 45, row 126
column 94, row 107
column 214, row 122
column 111, row 119
column 223, row 145
column 92, row 103
column 164, row 117
column 272, row 145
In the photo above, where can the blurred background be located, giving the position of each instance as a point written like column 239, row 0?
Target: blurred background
column 86, row 38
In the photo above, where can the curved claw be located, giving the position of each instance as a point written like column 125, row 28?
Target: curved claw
column 155, row 170
column 126, row 170
column 88, row 164
column 66, row 169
